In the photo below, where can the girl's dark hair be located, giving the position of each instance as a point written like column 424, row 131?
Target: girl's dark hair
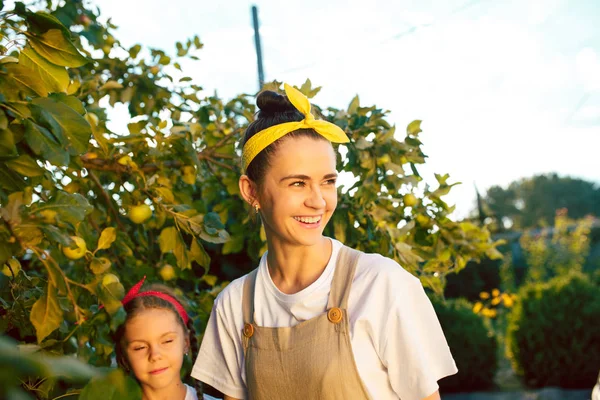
column 275, row 109
column 139, row 304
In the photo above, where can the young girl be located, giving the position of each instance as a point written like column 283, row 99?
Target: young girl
column 153, row 341
column 316, row 319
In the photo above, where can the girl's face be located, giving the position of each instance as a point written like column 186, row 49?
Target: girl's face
column 298, row 195
column 155, row 344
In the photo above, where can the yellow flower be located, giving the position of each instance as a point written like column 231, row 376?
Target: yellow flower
column 508, row 301
column 495, row 293
column 496, row 301
column 477, row 307
column 484, row 295
column 488, row 312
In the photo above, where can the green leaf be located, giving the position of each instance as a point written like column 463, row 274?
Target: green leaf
column 167, row 239
column 56, row 48
column 493, row 254
column 70, row 101
column 210, row 279
column 135, row 50
column 116, row 385
column 107, row 237
column 63, row 121
column 41, row 22
column 363, row 144
column 235, row 245
column 22, row 80
column 54, row 78
column 181, row 254
column 25, row 166
column 212, row 223
column 71, row 208
column 11, row 268
column 10, row 180
column 56, row 235
column 29, row 235
column 46, row 314
column 7, row 144
column 11, row 212
column 199, row 254
column 110, row 294
column 99, row 265
column 414, row 128
column 353, row 106
column 221, row 237
column 3, row 120
column 166, row 195
column 44, row 144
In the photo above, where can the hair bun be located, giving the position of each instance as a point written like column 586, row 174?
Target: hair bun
column 270, row 102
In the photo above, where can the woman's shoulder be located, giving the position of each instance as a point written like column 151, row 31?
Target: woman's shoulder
column 379, row 270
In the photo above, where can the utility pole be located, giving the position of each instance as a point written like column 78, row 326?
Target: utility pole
column 261, row 74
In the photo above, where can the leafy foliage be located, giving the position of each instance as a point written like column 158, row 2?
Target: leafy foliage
column 87, row 211
column 472, row 343
column 558, row 250
column 553, row 331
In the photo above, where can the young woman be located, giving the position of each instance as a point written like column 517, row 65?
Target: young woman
column 316, row 319
column 153, row 341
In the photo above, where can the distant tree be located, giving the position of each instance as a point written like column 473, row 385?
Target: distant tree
column 533, row 202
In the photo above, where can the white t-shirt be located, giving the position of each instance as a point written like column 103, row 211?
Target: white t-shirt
column 397, row 341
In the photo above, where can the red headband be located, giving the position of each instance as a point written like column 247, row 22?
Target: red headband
column 135, row 292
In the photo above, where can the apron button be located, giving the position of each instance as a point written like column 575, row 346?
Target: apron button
column 248, row 330
column 334, row 315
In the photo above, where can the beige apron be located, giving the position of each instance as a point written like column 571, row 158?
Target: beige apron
column 312, row 360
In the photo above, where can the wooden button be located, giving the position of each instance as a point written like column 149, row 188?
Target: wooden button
column 248, row 330
column 334, row 315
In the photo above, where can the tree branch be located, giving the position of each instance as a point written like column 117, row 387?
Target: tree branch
column 109, row 202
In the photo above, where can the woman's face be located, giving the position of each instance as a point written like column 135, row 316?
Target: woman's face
column 298, row 194
column 155, row 343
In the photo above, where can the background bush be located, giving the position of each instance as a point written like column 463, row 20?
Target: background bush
column 472, row 343
column 553, row 334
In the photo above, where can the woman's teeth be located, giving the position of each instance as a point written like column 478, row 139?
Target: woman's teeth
column 308, row 220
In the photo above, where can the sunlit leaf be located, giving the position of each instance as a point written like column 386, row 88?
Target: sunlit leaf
column 25, row 166
column 107, row 237
column 56, row 48
column 168, row 239
column 46, row 314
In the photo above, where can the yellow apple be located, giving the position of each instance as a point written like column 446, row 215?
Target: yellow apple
column 140, row 214
column 75, row 254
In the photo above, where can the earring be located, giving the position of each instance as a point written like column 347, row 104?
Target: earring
column 256, row 207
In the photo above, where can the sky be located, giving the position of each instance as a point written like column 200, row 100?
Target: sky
column 505, row 89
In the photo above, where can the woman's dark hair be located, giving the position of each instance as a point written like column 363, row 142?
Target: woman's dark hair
column 142, row 303
column 274, row 109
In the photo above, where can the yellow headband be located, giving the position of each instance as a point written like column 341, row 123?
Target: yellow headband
column 264, row 138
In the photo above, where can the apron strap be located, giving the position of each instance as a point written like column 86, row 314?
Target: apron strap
column 342, row 277
column 248, row 297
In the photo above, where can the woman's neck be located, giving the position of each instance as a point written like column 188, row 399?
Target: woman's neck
column 293, row 268
column 177, row 390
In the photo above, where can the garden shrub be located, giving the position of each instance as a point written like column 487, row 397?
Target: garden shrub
column 472, row 343
column 553, row 334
